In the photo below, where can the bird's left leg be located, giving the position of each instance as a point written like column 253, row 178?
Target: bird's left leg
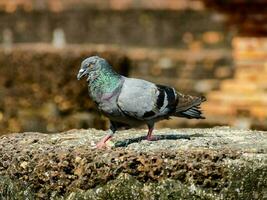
column 149, row 136
column 102, row 143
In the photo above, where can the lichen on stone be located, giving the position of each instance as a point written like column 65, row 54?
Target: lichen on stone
column 214, row 163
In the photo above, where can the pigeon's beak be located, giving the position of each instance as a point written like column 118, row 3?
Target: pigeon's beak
column 81, row 73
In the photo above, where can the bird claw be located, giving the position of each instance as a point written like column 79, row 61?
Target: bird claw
column 102, row 145
column 151, row 138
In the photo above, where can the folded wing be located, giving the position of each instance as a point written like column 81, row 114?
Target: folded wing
column 144, row 100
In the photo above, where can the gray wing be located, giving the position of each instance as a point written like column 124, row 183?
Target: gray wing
column 144, row 100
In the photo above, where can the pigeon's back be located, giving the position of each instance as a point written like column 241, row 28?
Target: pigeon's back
column 138, row 98
column 148, row 102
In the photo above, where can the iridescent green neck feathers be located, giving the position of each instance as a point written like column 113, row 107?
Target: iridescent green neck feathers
column 102, row 81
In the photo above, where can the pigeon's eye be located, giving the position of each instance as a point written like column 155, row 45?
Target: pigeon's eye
column 90, row 65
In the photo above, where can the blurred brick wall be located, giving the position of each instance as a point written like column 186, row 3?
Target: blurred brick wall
column 189, row 71
column 39, row 90
column 248, row 17
column 242, row 100
column 60, row 5
column 175, row 47
column 179, row 29
column 172, row 43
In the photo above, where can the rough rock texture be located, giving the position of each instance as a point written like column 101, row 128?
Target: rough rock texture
column 218, row 163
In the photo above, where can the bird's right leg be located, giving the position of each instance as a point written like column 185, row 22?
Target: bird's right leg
column 149, row 136
column 102, row 143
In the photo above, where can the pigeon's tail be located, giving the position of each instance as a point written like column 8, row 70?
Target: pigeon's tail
column 189, row 107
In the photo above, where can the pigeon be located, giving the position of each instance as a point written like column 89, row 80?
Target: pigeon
column 133, row 101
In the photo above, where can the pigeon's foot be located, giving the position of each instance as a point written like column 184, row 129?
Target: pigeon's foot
column 103, row 142
column 151, row 138
column 101, row 145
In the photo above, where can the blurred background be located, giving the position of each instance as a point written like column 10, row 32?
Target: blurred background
column 210, row 47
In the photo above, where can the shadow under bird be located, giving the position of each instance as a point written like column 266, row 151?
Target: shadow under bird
column 134, row 101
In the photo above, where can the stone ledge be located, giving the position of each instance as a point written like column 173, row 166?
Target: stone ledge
column 218, row 163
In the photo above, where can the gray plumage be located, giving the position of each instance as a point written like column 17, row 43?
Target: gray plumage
column 134, row 101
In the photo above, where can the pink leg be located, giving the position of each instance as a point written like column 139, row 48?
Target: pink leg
column 149, row 136
column 102, row 143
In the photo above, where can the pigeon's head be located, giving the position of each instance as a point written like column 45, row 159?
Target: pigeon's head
column 91, row 64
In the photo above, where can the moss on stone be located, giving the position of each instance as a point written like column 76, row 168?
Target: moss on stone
column 214, row 164
column 14, row 190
